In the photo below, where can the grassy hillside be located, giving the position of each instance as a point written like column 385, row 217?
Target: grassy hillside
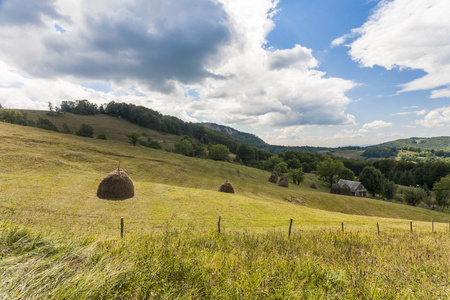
column 436, row 143
column 115, row 129
column 59, row 241
column 50, row 179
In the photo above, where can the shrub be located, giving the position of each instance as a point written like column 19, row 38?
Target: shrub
column 219, row 152
column 101, row 136
column 85, row 130
column 414, row 196
column 46, row 124
column 133, row 138
column 66, row 128
column 184, row 147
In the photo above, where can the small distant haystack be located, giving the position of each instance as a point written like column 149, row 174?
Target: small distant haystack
column 274, row 177
column 345, row 190
column 313, row 186
column 335, row 189
column 226, row 187
column 117, row 185
column 283, row 182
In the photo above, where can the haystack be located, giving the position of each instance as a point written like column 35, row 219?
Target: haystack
column 283, row 182
column 313, row 186
column 345, row 190
column 226, row 187
column 274, row 177
column 335, row 189
column 117, row 185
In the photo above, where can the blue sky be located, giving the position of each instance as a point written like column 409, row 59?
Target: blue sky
column 294, row 72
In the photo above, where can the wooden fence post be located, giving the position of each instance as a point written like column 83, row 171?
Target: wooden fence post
column 290, row 228
column 218, row 224
column 121, row 228
column 342, row 227
column 378, row 229
column 410, row 225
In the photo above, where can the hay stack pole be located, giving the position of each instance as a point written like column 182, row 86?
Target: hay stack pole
column 117, row 185
column 226, row 187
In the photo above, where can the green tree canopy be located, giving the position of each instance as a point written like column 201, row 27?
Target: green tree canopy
column 281, row 168
column 133, row 138
column 347, row 174
column 372, row 179
column 85, row 130
column 245, row 152
column 413, row 196
column 270, row 164
column 46, row 124
column 442, row 191
column 296, row 175
column 329, row 170
column 219, row 152
column 184, row 147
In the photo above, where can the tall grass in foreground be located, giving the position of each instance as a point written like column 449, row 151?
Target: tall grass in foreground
column 194, row 264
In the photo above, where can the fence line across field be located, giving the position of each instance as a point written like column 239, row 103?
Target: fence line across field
column 122, row 226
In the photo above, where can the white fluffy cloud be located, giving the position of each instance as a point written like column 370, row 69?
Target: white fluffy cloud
column 436, row 118
column 164, row 49
column 377, row 124
column 408, row 34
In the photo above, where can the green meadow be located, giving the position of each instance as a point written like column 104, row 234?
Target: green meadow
column 59, row 241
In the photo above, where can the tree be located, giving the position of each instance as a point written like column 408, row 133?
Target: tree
column 347, row 174
column 413, row 196
column 184, row 147
column 389, row 189
column 46, row 124
column 270, row 164
column 219, row 152
column 442, row 191
column 245, row 152
column 133, row 138
column 372, row 179
column 329, row 170
column 281, row 168
column 293, row 163
column 296, row 175
column 85, row 130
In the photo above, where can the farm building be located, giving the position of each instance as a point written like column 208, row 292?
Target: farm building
column 356, row 188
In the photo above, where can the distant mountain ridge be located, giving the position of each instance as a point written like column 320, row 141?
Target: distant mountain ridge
column 435, row 143
column 242, row 137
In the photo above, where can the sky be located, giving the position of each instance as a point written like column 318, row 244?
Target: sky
column 293, row 72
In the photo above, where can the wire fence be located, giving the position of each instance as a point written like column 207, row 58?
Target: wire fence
column 341, row 226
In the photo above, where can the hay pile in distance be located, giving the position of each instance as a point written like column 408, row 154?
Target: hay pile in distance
column 226, row 187
column 345, row 190
column 274, row 177
column 335, row 189
column 313, row 186
column 117, row 185
column 283, row 182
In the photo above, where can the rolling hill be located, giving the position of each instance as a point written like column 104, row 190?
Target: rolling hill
column 59, row 241
column 435, row 143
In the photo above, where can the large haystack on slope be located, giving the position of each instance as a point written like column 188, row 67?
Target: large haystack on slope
column 345, row 190
column 226, row 187
column 335, row 189
column 117, row 185
column 284, row 182
column 274, row 177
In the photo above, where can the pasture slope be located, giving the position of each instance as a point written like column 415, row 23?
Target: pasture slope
column 59, row 240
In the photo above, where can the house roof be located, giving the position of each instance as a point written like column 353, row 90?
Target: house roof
column 354, row 185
